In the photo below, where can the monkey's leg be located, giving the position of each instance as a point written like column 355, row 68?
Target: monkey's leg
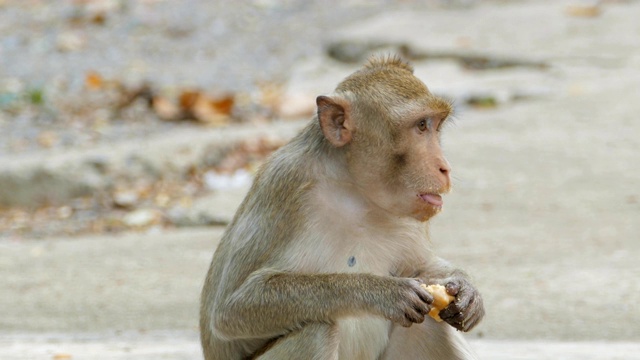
column 314, row 341
column 428, row 341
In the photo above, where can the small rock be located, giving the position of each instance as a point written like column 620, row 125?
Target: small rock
column 142, row 218
column 70, row 41
column 180, row 217
column 215, row 181
column 162, row 200
column 297, row 106
column 125, row 198
column 64, row 212
column 12, row 85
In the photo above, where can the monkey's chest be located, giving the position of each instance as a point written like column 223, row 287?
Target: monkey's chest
column 363, row 337
column 333, row 250
column 369, row 257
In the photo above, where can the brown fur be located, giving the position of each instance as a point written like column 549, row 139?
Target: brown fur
column 320, row 259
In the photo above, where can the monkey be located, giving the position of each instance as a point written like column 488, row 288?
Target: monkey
column 325, row 256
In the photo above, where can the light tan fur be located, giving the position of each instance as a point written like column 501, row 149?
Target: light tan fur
column 325, row 256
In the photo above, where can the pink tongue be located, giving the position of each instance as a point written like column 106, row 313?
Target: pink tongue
column 432, row 199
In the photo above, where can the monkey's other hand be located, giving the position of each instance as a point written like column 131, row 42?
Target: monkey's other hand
column 467, row 309
column 406, row 302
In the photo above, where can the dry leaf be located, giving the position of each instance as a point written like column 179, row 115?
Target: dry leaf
column 205, row 110
column 165, row 109
column 223, row 105
column 99, row 18
column 188, row 99
column 62, row 356
column 129, row 96
column 271, row 95
column 93, row 80
column 583, row 10
column 47, row 139
column 196, row 105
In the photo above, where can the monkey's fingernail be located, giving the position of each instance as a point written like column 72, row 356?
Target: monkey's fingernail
column 452, row 288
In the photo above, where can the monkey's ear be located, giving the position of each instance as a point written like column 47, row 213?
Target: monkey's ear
column 335, row 122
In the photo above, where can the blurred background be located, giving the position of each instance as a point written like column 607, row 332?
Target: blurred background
column 130, row 132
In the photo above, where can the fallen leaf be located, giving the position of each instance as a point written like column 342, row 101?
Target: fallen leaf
column 129, row 96
column 271, row 95
column 487, row 101
column 188, row 99
column 62, row 356
column 47, row 139
column 93, row 80
column 165, row 109
column 583, row 10
column 223, row 105
column 206, row 111
column 99, row 18
column 196, row 105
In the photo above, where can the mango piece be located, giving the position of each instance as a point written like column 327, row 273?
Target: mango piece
column 440, row 299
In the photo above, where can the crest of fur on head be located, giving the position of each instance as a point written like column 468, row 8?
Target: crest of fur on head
column 381, row 77
column 380, row 62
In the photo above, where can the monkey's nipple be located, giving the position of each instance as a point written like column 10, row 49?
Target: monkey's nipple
column 433, row 199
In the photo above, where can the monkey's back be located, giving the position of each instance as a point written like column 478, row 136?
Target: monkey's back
column 267, row 219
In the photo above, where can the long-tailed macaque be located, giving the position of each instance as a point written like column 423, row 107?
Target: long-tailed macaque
column 325, row 257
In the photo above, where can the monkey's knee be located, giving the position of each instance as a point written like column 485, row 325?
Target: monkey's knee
column 314, row 341
column 428, row 340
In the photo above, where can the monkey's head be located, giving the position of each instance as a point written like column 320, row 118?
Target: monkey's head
column 387, row 123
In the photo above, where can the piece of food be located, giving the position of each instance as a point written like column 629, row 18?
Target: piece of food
column 440, row 299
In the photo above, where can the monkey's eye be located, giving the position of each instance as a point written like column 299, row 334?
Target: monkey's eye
column 422, row 125
column 425, row 125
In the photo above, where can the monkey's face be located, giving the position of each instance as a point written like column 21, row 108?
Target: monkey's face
column 388, row 123
column 403, row 169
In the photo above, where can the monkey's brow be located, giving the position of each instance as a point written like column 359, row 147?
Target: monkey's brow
column 440, row 114
column 436, row 109
column 426, row 113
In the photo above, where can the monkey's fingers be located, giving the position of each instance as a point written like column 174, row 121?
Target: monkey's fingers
column 450, row 311
column 473, row 320
column 455, row 320
column 414, row 317
column 464, row 314
column 425, row 295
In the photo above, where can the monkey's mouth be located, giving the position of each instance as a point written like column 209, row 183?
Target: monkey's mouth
column 432, row 199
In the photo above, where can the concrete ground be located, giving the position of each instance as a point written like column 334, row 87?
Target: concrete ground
column 545, row 214
column 135, row 297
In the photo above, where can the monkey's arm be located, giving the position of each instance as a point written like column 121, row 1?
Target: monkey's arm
column 271, row 303
column 467, row 310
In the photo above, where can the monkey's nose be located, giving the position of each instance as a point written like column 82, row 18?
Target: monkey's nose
column 445, row 170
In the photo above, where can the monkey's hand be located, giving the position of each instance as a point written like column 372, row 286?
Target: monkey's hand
column 406, row 302
column 467, row 309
